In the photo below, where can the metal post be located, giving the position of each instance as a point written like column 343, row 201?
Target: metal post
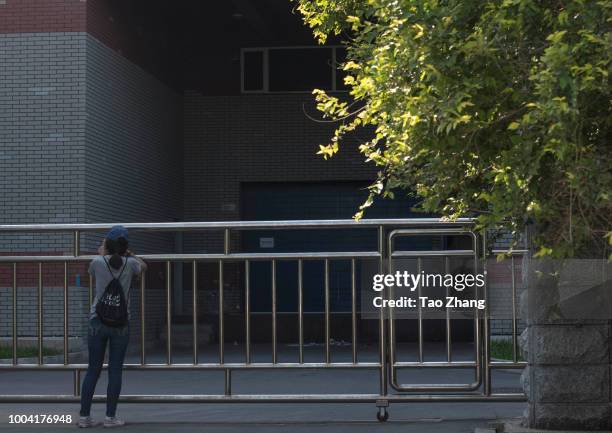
column 514, row 324
column 485, row 331
column 65, row 313
column 354, row 311
column 478, row 358
column 90, row 291
column 383, row 345
column 391, row 313
column 420, row 310
column 228, row 381
column 40, row 314
column 301, row 310
column 274, row 336
column 327, row 318
column 15, row 314
column 226, row 241
column 449, row 352
column 221, row 330
column 247, row 311
column 143, row 354
column 226, row 251
column 169, row 312
column 194, row 288
column 76, row 378
column 178, row 294
column 77, row 243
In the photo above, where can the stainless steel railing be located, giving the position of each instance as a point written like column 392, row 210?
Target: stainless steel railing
column 387, row 364
column 418, row 255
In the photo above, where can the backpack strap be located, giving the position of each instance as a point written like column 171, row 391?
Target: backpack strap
column 124, row 265
column 122, row 269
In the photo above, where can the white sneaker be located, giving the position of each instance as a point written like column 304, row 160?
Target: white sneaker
column 113, row 421
column 85, row 422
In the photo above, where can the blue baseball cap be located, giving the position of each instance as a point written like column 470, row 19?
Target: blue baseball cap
column 117, row 232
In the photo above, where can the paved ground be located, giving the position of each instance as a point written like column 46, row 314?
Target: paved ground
column 272, row 418
column 287, row 418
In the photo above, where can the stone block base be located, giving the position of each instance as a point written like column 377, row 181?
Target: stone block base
column 575, row 416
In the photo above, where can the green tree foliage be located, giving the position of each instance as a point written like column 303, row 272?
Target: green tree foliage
column 498, row 109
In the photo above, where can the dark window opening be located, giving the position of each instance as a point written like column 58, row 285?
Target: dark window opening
column 300, row 69
column 253, row 71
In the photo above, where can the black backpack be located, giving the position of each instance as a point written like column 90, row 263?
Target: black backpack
column 112, row 306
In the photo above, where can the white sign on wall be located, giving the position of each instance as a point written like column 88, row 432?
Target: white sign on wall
column 266, row 242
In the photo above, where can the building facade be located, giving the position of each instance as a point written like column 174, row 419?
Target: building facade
column 135, row 111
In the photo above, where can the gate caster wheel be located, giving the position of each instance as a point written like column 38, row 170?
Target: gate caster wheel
column 382, row 414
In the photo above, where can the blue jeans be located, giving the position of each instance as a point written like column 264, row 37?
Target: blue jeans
column 117, row 339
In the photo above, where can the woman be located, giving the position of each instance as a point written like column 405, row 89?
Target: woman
column 115, row 261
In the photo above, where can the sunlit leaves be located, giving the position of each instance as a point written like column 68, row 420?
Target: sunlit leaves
column 497, row 109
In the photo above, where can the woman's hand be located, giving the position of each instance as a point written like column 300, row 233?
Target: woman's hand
column 143, row 265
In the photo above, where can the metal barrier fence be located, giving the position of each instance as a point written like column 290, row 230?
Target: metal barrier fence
column 387, row 364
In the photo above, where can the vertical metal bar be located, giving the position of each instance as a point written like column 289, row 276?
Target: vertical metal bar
column 14, row 313
column 226, row 251
column 391, row 313
column 478, row 356
column 77, row 243
column 194, row 288
column 247, row 310
column 76, row 378
column 65, row 313
column 143, row 354
column 226, row 241
column 327, row 327
column 168, row 312
column 90, row 294
column 40, row 315
column 221, row 329
column 228, row 381
column 383, row 345
column 354, row 311
column 482, row 362
column 301, row 310
column 514, row 325
column 274, row 336
column 486, row 334
column 449, row 352
column 420, row 310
